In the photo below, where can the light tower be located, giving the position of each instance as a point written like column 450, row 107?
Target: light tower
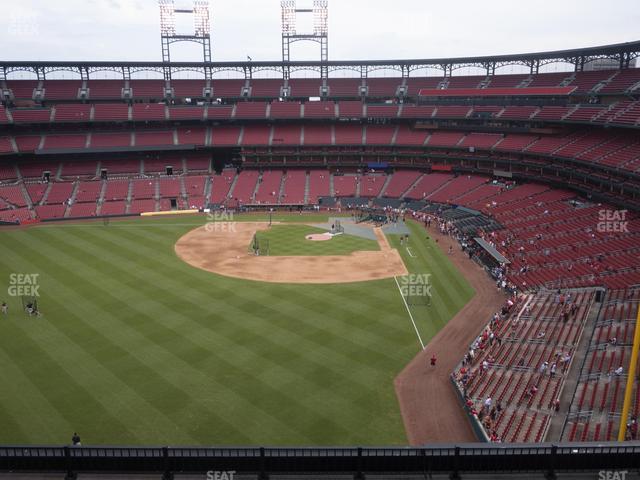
column 201, row 31
column 320, row 34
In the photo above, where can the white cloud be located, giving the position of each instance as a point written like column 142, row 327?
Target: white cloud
column 359, row 29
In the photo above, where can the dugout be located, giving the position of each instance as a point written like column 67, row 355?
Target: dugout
column 488, row 255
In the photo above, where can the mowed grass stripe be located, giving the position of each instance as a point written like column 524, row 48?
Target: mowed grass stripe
column 73, row 351
column 176, row 394
column 193, row 347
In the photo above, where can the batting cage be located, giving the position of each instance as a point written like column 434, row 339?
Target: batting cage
column 30, row 305
column 259, row 246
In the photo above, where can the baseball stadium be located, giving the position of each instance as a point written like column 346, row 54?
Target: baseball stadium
column 403, row 268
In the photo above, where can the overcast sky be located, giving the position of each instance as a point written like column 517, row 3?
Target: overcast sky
column 358, row 29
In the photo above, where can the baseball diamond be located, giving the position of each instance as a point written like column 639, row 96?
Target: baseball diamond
column 287, row 268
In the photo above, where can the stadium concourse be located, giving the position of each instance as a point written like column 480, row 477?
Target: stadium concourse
column 535, row 176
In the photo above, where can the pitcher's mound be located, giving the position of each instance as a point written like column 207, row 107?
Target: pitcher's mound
column 319, row 237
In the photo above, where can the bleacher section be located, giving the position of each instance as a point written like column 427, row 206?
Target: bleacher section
column 520, row 363
column 596, row 408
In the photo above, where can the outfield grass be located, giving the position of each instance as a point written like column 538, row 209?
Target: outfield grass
column 291, row 240
column 137, row 347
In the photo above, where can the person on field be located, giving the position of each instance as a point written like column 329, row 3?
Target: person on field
column 433, row 360
column 75, row 439
column 5, row 308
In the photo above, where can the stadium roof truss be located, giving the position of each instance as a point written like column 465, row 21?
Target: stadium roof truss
column 622, row 53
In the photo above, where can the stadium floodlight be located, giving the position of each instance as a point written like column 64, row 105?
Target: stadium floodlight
column 167, row 17
column 201, row 18
column 288, row 17
column 201, row 31
column 320, row 11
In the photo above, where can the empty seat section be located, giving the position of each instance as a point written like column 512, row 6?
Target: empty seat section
column 286, row 135
column 36, row 170
column 295, row 182
column 116, row 190
column 319, row 185
column 28, row 143
column 141, row 206
column 36, row 191
column 188, row 88
column 319, row 110
column 266, row 87
column 79, row 168
column 83, row 210
column 415, row 111
column 383, row 87
column 427, row 185
column 256, row 135
column 408, row 136
column 186, row 113
column 72, row 113
column 50, row 211
column 382, row 111
column 22, row 89
column 343, row 87
column 231, row 88
column 345, row 185
column 350, row 109
column 64, row 141
column 371, row 185
column 251, row 110
column 221, row 184
column 59, row 193
column 285, row 110
column 88, row 191
column 31, row 115
column 107, row 112
column 225, row 136
column 400, row 183
column 170, row 187
column 317, row 135
column 120, row 165
column 219, row 112
column 305, row 87
column 147, row 89
column 245, row 186
column 348, row 134
column 105, row 89
column 379, row 134
column 106, row 140
column 481, row 140
column 466, row 81
column 113, row 208
column 198, row 163
column 148, row 111
column 143, row 188
column 452, row 111
column 7, row 172
column 13, row 194
column 269, row 187
column 456, row 188
column 153, row 138
column 444, row 139
column 192, row 135
column 518, row 112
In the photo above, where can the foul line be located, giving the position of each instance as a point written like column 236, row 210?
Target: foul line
column 409, row 312
column 410, row 252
